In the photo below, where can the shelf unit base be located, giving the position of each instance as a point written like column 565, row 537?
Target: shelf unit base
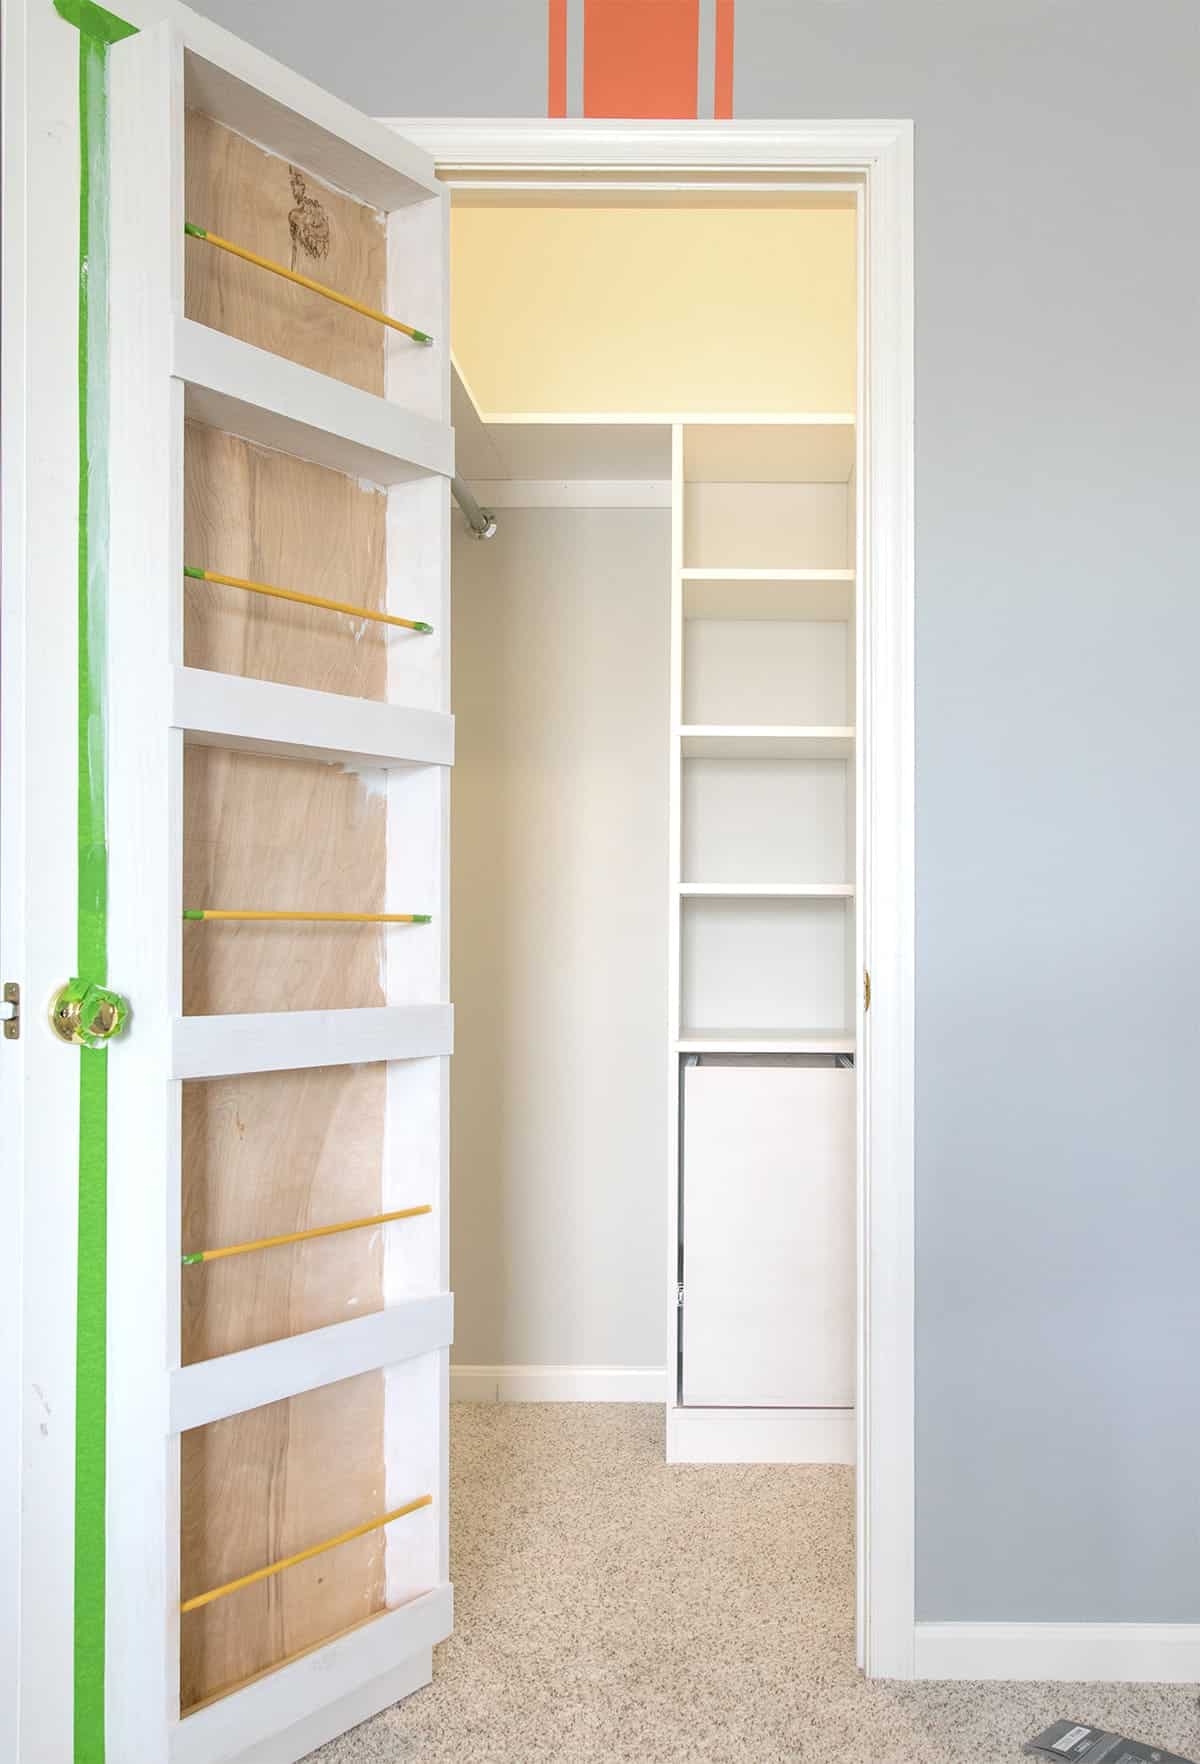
column 760, row 1436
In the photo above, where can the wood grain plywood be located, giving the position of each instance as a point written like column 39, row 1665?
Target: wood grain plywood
column 265, row 833
column 276, row 1152
column 261, row 1486
column 270, row 518
column 281, row 211
column 269, row 1153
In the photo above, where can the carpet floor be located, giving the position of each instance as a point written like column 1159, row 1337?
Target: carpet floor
column 611, row 1607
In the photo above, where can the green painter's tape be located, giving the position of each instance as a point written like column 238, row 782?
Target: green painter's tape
column 97, row 29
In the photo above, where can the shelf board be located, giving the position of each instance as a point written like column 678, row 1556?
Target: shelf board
column 261, row 716
column 730, row 741
column 768, row 890
column 265, row 398
column 765, row 1040
column 732, row 575
column 796, row 595
column 285, row 1041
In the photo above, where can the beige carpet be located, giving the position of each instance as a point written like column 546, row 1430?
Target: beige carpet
column 610, row 1607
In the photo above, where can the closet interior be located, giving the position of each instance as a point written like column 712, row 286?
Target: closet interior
column 656, row 676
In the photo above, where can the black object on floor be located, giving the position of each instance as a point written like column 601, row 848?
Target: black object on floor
column 1068, row 1740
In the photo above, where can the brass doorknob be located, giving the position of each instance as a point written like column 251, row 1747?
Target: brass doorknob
column 87, row 1016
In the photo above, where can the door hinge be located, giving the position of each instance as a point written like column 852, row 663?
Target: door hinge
column 10, row 1011
column 679, row 1295
column 866, row 989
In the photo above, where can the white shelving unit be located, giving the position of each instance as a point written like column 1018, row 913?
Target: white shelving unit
column 762, row 886
column 166, row 367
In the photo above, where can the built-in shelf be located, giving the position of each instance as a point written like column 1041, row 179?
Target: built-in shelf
column 769, row 890
column 765, row 1041
column 277, row 403
column 747, row 741
column 734, row 575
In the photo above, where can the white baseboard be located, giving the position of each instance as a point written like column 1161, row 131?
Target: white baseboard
column 760, row 1436
column 1097, row 1653
column 558, row 1384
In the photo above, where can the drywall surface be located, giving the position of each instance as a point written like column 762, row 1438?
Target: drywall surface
column 1058, row 624
column 655, row 309
column 559, row 938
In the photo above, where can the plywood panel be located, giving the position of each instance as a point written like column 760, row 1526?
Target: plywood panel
column 267, row 517
column 768, row 964
column 781, row 671
column 769, row 821
column 281, row 1151
column 283, row 212
column 744, row 526
column 274, row 1152
column 264, row 1485
column 264, row 834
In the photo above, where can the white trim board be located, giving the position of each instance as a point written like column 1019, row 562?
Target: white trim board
column 760, row 1436
column 1078, row 1653
column 878, row 156
column 558, row 1384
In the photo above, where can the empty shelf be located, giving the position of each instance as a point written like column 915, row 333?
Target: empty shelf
column 766, row 1040
column 746, row 741
column 769, row 890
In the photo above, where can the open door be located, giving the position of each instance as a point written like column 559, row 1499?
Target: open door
column 260, row 1472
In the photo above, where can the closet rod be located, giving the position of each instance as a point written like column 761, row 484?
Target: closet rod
column 290, row 275
column 480, row 520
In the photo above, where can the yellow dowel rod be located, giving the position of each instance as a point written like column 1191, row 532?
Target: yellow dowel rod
column 331, row 1543
column 337, row 606
column 261, row 1243
column 291, row 275
column 310, row 918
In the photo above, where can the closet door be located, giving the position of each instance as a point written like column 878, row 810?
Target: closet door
column 279, row 1319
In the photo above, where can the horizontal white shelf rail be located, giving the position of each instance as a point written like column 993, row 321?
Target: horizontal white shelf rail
column 754, row 741
column 277, row 403
column 735, row 575
column 259, row 716
column 229, row 1385
column 695, row 1040
column 316, row 1688
column 297, row 121
column 768, row 890
column 285, row 1041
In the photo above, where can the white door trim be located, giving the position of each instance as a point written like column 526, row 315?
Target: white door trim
column 880, row 155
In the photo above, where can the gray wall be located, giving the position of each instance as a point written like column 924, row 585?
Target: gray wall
column 1058, row 629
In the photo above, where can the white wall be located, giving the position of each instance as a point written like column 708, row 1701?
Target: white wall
column 560, row 938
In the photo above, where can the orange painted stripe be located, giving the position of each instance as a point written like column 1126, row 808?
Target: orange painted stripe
column 723, row 60
column 640, row 57
column 557, row 42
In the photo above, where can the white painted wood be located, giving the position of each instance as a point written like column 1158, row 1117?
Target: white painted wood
column 1078, row 1653
column 329, row 1720
column 765, row 1041
column 779, row 964
column 808, row 450
column 672, row 1331
column 765, row 526
column 508, row 445
column 494, row 493
column 768, row 890
column 145, row 811
column 296, row 120
column 557, row 1384
column 760, row 1436
column 278, row 1041
column 277, row 403
column 469, row 145
column 772, row 671
column 768, row 825
column 259, row 716
column 211, row 1389
column 416, row 1143
column 716, row 741
column 39, row 1080
column 287, row 1712
column 768, row 1249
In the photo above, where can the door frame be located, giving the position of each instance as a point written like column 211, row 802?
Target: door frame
column 878, row 157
